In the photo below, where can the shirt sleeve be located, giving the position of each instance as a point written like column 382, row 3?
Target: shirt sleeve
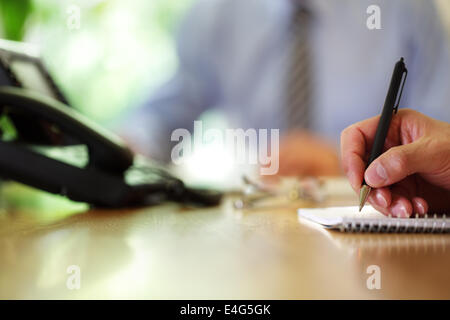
column 428, row 87
column 189, row 92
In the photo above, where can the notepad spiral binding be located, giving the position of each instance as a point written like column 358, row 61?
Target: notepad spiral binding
column 397, row 225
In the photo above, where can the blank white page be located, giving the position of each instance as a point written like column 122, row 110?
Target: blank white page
column 334, row 216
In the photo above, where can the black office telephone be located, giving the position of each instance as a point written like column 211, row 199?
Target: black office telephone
column 45, row 120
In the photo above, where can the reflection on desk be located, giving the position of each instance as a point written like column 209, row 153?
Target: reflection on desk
column 175, row 253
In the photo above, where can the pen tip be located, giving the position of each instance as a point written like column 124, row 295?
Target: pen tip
column 363, row 195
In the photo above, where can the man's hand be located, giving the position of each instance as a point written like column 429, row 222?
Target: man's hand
column 302, row 153
column 412, row 175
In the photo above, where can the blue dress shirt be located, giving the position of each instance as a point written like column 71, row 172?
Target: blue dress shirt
column 233, row 58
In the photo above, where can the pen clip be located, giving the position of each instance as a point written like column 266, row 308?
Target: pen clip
column 404, row 75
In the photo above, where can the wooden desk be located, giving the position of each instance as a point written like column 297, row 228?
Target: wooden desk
column 172, row 253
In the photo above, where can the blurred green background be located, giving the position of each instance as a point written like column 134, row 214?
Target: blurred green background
column 106, row 55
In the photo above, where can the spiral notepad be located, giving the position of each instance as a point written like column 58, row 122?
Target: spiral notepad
column 348, row 219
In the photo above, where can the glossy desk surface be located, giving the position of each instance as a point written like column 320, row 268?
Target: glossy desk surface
column 168, row 252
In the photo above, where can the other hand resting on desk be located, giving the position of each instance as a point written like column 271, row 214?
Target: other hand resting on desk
column 303, row 153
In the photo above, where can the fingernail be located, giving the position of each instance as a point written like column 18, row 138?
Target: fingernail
column 376, row 176
column 399, row 211
column 420, row 208
column 381, row 201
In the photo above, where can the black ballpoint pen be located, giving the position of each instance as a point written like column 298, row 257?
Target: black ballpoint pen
column 390, row 107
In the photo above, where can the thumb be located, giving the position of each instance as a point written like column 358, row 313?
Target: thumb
column 396, row 164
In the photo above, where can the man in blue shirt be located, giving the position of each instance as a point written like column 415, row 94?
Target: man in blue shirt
column 233, row 58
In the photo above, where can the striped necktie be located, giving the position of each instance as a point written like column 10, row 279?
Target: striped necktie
column 298, row 95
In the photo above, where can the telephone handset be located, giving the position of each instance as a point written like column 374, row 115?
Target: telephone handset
column 106, row 151
column 103, row 181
